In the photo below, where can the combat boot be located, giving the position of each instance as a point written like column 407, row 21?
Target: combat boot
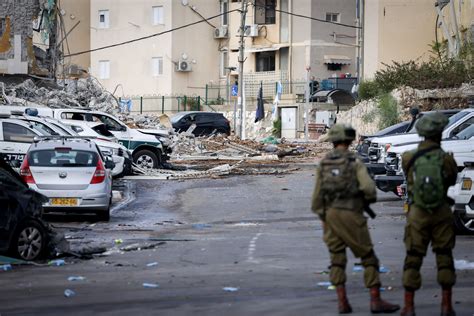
column 377, row 305
column 409, row 308
column 344, row 306
column 446, row 303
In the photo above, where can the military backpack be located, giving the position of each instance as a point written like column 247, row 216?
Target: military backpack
column 338, row 178
column 428, row 191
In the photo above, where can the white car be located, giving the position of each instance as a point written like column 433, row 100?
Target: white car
column 463, row 195
column 72, row 173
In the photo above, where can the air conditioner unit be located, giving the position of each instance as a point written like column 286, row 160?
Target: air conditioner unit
column 183, row 65
column 221, row 32
column 251, row 30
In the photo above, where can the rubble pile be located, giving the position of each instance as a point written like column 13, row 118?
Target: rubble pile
column 74, row 93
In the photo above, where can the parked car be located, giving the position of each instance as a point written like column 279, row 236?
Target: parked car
column 105, row 140
column 364, row 140
column 206, row 123
column 463, row 195
column 380, row 145
column 149, row 147
column 72, row 173
column 460, row 145
column 22, row 232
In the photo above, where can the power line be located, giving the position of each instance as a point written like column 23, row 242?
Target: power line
column 150, row 36
column 309, row 17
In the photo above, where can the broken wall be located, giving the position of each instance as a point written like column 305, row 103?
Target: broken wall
column 16, row 34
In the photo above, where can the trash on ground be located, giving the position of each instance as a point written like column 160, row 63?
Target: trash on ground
column 6, row 267
column 463, row 265
column 118, row 241
column 230, row 289
column 324, row 283
column 144, row 246
column 201, row 226
column 8, row 260
column 357, row 269
column 69, row 293
column 76, row 278
column 150, row 285
column 57, row 262
column 383, row 269
column 332, row 287
column 152, row 264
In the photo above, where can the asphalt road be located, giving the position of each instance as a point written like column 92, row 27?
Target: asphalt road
column 252, row 233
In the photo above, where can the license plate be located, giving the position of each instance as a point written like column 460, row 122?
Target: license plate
column 64, row 201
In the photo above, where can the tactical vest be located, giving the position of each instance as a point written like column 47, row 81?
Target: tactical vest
column 339, row 178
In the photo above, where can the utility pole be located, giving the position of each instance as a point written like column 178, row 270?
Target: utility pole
column 306, row 105
column 240, row 94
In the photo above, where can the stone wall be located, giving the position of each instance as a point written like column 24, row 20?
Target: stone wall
column 361, row 117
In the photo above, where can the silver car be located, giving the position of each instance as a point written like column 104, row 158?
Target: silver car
column 72, row 173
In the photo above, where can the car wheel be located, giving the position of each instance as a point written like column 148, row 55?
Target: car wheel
column 463, row 225
column 29, row 241
column 146, row 159
column 104, row 216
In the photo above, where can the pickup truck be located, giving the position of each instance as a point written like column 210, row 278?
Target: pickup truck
column 460, row 145
column 380, row 145
column 463, row 195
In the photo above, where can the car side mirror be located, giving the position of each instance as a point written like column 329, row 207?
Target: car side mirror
column 109, row 164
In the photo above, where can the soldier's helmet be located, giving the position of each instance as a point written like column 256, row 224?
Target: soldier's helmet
column 341, row 133
column 431, row 124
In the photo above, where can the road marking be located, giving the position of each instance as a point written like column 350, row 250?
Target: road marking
column 252, row 248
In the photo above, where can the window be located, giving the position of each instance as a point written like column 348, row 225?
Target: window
column 17, row 133
column 334, row 67
column 158, row 15
column 265, row 61
column 224, row 9
column 224, row 63
column 104, row 69
column 157, row 66
column 265, row 12
column 332, row 17
column 103, row 19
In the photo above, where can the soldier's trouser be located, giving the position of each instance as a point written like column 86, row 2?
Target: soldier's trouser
column 421, row 229
column 349, row 229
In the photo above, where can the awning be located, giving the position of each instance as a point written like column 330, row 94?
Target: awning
column 337, row 59
column 258, row 49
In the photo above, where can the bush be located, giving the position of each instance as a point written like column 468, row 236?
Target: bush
column 276, row 131
column 387, row 111
column 368, row 90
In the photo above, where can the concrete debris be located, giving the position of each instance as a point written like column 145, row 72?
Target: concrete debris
column 73, row 93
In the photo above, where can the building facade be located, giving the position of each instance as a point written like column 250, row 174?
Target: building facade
column 171, row 63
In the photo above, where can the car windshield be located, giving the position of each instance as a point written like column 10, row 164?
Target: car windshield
column 62, row 157
column 453, row 119
column 65, row 129
column 175, row 118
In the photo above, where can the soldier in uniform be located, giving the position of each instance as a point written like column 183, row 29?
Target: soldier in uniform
column 430, row 172
column 343, row 188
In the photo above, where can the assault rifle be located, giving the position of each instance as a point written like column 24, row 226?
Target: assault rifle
column 369, row 211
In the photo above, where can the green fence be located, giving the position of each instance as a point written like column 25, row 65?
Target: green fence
column 161, row 104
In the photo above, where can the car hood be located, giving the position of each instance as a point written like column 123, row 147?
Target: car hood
column 451, row 145
column 159, row 132
column 398, row 139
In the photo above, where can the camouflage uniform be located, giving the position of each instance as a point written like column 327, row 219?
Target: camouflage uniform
column 434, row 225
column 339, row 204
column 346, row 226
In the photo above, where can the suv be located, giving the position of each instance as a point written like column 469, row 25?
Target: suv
column 149, row 148
column 206, row 123
column 463, row 195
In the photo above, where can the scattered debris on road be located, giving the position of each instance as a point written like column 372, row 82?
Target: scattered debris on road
column 69, row 293
column 150, row 285
column 230, row 289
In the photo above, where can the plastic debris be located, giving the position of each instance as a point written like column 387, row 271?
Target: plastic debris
column 6, row 267
column 57, row 262
column 332, row 287
column 152, row 264
column 69, row 293
column 150, row 285
column 230, row 289
column 324, row 283
column 76, row 278
column 357, row 269
column 463, row 265
column 201, row 226
column 383, row 269
column 118, row 241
